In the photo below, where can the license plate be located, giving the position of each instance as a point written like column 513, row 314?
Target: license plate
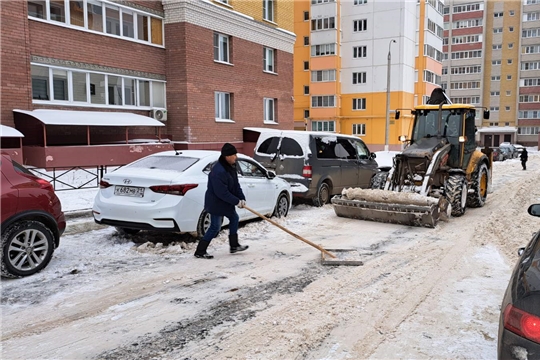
column 129, row 191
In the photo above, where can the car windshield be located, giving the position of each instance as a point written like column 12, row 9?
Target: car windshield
column 175, row 163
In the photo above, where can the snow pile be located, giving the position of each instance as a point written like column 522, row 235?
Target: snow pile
column 389, row 197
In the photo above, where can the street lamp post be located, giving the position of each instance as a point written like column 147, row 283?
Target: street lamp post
column 388, row 97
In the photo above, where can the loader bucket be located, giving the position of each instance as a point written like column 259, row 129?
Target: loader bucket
column 387, row 206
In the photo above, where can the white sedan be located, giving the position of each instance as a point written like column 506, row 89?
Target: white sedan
column 165, row 191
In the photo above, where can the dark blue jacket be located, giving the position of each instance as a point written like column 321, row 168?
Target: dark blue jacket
column 224, row 191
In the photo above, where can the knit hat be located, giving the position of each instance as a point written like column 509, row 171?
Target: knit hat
column 228, row 149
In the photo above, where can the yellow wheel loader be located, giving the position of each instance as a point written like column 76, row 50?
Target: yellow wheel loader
column 439, row 172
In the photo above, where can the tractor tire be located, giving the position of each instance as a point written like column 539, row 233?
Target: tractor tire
column 455, row 189
column 378, row 181
column 323, row 195
column 479, row 183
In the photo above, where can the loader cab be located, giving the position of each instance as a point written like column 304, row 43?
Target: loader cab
column 452, row 124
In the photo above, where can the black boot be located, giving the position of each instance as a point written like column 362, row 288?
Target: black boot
column 201, row 250
column 234, row 245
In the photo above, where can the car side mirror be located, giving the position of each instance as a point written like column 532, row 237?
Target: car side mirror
column 486, row 114
column 520, row 251
column 534, row 210
column 373, row 155
column 396, row 116
column 270, row 174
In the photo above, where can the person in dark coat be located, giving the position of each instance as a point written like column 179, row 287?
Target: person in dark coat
column 222, row 195
column 524, row 157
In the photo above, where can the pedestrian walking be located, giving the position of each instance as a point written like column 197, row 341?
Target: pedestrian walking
column 524, row 157
column 222, row 195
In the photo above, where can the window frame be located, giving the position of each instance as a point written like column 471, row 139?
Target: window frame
column 222, row 98
column 269, row 105
column 269, row 10
column 269, row 68
column 218, row 46
column 67, row 22
column 357, row 127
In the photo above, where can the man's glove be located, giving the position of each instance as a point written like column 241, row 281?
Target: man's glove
column 241, row 203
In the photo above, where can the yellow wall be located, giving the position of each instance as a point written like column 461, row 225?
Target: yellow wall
column 283, row 12
column 301, row 53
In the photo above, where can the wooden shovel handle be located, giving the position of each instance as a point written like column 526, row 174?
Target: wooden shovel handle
column 290, row 232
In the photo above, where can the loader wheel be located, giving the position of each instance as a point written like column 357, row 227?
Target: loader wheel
column 323, row 195
column 378, row 181
column 456, row 193
column 479, row 184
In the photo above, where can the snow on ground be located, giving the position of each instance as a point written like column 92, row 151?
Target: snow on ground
column 421, row 293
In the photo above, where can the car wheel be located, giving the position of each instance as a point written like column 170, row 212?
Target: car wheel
column 323, row 195
column 27, row 247
column 126, row 231
column 456, row 193
column 203, row 224
column 282, row 206
column 479, row 184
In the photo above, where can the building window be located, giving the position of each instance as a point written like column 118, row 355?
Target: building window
column 498, row 14
column 323, row 75
column 306, row 15
column 324, row 49
column 323, row 23
column 359, row 52
column 306, row 65
column 508, row 93
column 496, row 46
column 496, row 62
column 359, row 104
column 511, row 45
column 323, row 101
column 359, row 78
column 223, row 1
column 512, row 12
column 508, row 77
column 509, row 61
column 359, row 129
column 306, row 113
column 496, row 78
column 223, row 105
column 221, row 47
column 306, row 90
column 100, row 17
column 507, row 108
column 306, row 40
column 268, row 10
column 360, row 2
column 268, row 60
column 269, row 110
column 495, row 93
column 74, row 87
column 511, row 28
column 494, row 109
column 360, row 25
column 323, row 125
column 497, row 30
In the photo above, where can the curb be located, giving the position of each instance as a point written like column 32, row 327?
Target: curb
column 80, row 221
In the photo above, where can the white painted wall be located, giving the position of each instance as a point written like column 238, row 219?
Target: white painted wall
column 386, row 20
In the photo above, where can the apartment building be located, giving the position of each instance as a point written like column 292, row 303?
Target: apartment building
column 343, row 54
column 99, row 82
column 491, row 57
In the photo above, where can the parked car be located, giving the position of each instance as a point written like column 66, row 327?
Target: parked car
column 511, row 149
column 519, row 323
column 498, row 155
column 317, row 164
column 165, row 192
column 506, row 153
column 32, row 220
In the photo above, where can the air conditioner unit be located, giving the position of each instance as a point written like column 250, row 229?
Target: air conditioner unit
column 159, row 114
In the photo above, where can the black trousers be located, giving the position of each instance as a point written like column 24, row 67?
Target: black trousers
column 524, row 164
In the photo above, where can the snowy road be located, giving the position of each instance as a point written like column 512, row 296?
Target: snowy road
column 421, row 293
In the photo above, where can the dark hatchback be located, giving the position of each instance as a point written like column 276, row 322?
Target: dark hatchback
column 519, row 324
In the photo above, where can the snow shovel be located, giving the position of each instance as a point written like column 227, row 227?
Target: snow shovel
column 290, row 232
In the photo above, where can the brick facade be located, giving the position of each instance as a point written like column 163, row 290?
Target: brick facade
column 186, row 63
